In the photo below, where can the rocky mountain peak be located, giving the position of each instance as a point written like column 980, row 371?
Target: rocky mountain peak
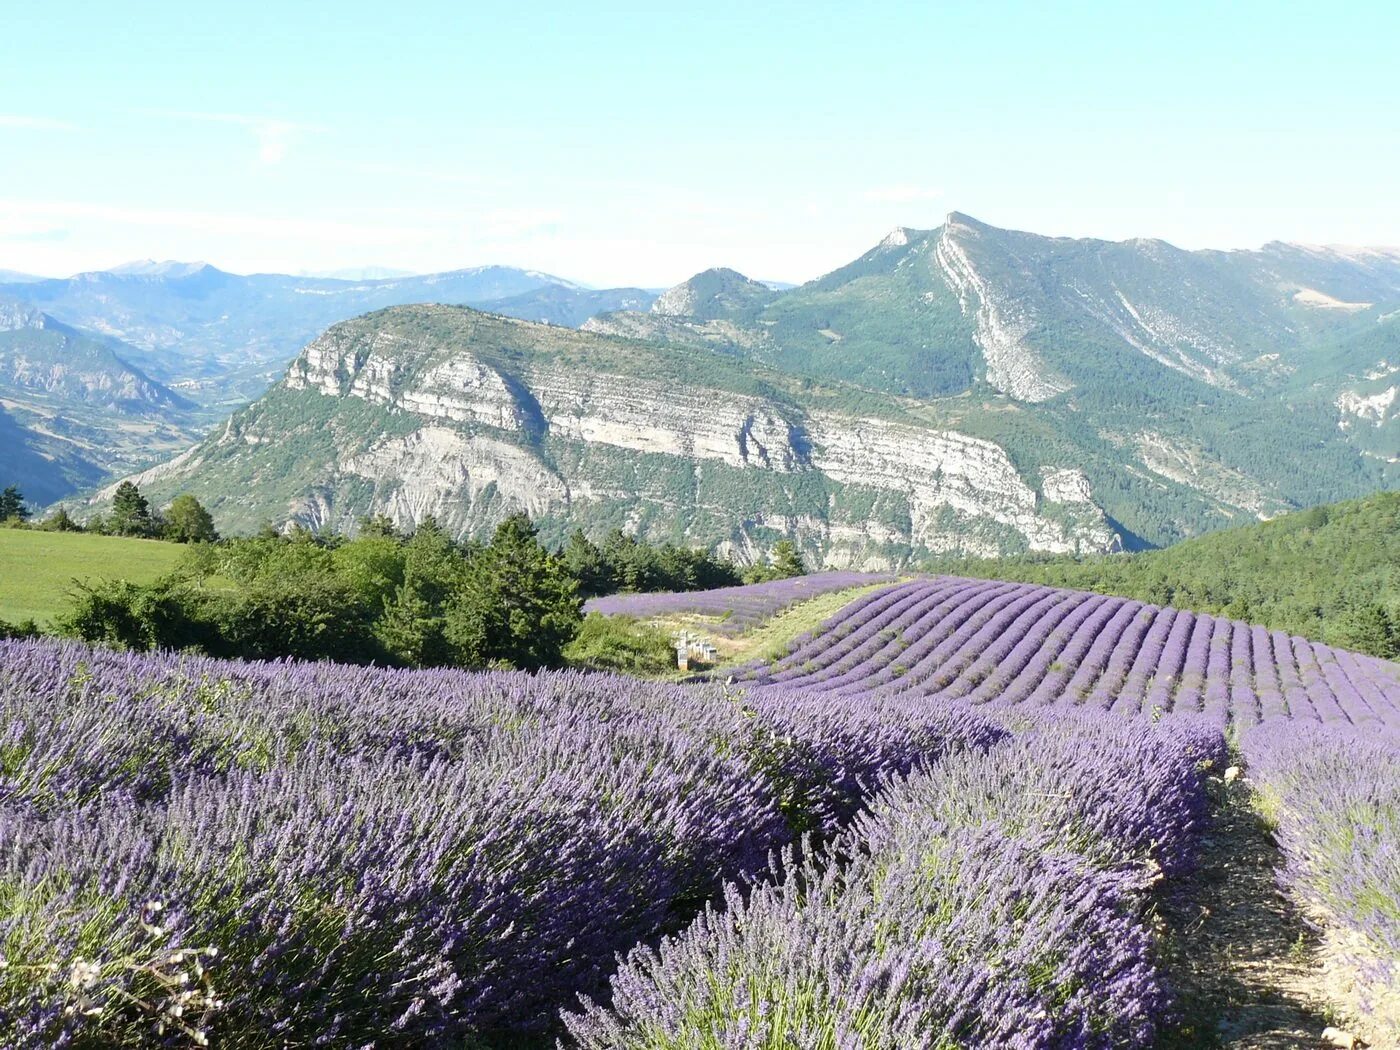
column 719, row 292
column 16, row 315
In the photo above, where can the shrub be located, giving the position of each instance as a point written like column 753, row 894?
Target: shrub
column 621, row 643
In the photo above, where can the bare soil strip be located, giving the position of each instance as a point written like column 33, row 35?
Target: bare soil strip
column 1244, row 964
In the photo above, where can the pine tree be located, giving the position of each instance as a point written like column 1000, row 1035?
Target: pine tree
column 12, row 506
column 518, row 605
column 787, row 560
column 131, row 514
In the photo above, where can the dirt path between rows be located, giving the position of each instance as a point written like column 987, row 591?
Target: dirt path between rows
column 1243, row 962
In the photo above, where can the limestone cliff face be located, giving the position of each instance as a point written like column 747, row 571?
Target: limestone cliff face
column 470, row 436
column 1003, row 322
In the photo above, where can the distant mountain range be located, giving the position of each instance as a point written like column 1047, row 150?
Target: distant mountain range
column 964, row 389
column 85, row 411
column 222, row 339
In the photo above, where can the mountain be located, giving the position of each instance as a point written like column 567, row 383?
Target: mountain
column 570, row 307
column 1223, row 369
column 468, row 416
column 15, row 277
column 86, row 408
column 360, row 273
column 170, row 268
column 222, row 338
column 45, row 467
column 44, row 358
column 717, row 293
column 965, row 388
column 935, row 312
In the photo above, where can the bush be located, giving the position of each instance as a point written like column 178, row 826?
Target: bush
column 26, row 629
column 126, row 615
column 311, row 618
column 307, row 618
column 621, row 643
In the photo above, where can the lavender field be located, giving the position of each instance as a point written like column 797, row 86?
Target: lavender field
column 736, row 609
column 1007, row 644
column 940, row 820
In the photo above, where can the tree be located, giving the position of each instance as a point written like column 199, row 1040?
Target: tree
column 12, row 506
column 186, row 521
column 380, row 525
column 787, row 561
column 1368, row 629
column 518, row 605
column 411, row 626
column 584, row 560
column 373, row 565
column 131, row 514
column 60, row 521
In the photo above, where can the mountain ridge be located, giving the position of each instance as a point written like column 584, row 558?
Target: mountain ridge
column 1181, row 391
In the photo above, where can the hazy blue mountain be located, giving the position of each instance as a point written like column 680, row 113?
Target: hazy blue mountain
column 222, row 337
column 360, row 273
column 46, row 468
column 44, row 359
column 570, row 307
column 82, row 404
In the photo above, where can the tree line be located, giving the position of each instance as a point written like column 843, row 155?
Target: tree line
column 415, row 598
column 184, row 521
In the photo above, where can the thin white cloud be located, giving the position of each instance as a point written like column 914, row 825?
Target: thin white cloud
column 272, row 134
column 902, row 194
column 429, row 174
column 23, row 214
column 16, row 120
column 22, row 218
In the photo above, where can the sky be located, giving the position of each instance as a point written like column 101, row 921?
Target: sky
column 636, row 144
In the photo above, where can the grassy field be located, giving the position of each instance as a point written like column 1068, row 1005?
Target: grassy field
column 771, row 638
column 37, row 569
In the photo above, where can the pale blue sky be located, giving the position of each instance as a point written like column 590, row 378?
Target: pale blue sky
column 616, row 143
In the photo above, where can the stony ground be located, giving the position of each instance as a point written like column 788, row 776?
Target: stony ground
column 1247, row 967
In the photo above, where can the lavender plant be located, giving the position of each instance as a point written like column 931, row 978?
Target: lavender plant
column 976, row 911
column 427, row 854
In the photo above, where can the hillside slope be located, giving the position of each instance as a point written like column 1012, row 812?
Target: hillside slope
column 86, row 410
column 469, row 416
column 1331, row 573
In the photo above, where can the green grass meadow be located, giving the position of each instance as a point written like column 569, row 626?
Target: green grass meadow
column 37, row 569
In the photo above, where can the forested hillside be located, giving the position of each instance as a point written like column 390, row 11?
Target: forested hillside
column 1331, row 573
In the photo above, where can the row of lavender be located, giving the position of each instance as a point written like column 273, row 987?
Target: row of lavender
column 995, row 900
column 737, row 609
column 298, row 854
column 1319, row 727
column 1333, row 794
column 986, row 641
